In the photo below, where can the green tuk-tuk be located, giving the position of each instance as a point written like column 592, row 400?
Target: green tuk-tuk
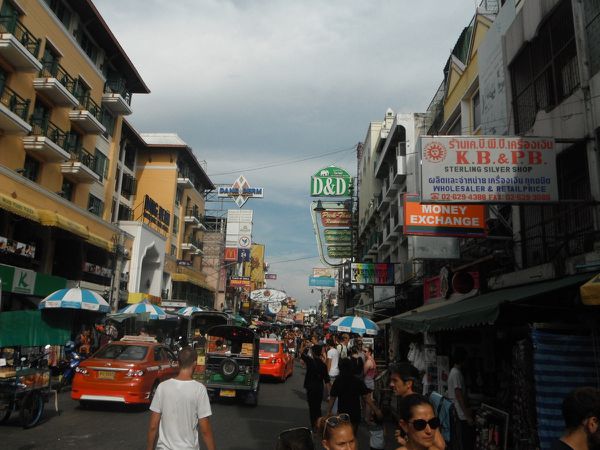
column 228, row 363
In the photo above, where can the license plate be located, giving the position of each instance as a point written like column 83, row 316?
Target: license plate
column 227, row 393
column 106, row 375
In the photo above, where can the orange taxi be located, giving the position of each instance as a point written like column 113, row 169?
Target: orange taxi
column 274, row 359
column 125, row 371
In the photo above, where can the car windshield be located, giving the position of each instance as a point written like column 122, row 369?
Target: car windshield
column 127, row 352
column 268, row 347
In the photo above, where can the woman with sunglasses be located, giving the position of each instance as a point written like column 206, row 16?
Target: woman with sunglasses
column 338, row 433
column 418, row 420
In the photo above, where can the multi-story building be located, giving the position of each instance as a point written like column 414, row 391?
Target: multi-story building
column 65, row 85
column 160, row 199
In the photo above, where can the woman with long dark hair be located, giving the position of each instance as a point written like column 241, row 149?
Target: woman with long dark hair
column 418, row 421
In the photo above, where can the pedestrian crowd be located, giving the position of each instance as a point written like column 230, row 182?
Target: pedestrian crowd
column 341, row 374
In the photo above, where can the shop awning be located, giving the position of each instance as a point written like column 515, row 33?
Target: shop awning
column 52, row 219
column 185, row 278
column 19, row 208
column 98, row 241
column 481, row 310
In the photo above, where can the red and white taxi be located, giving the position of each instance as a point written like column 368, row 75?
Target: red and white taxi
column 274, row 359
column 125, row 371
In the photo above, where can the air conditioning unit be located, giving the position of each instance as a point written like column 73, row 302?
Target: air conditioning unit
column 401, row 165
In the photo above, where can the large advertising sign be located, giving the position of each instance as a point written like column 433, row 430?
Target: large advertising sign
column 330, row 182
column 230, row 254
column 156, row 214
column 239, row 228
column 240, row 191
column 243, row 282
column 255, row 269
column 336, row 218
column 431, row 219
column 488, row 169
column 268, row 295
column 372, row 273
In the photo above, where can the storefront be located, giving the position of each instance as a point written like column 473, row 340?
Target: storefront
column 527, row 347
column 23, row 288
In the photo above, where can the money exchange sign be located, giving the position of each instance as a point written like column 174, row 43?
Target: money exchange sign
column 488, row 169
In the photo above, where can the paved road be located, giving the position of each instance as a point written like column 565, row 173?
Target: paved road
column 237, row 427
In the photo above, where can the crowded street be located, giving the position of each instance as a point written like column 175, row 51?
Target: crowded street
column 237, row 427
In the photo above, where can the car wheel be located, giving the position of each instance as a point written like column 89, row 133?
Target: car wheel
column 229, row 369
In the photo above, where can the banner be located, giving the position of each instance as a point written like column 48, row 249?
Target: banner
column 430, row 219
column 255, row 269
column 488, row 169
column 372, row 273
column 336, row 218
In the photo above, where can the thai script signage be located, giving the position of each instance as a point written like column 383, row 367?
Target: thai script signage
column 431, row 219
column 156, row 214
column 488, row 169
column 372, row 273
column 240, row 191
column 336, row 218
column 331, row 182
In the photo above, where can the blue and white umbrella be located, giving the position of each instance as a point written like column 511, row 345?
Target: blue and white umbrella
column 355, row 324
column 188, row 311
column 155, row 312
column 75, row 298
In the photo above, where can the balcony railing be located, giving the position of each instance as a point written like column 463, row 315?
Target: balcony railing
column 117, row 86
column 43, row 127
column 86, row 103
column 51, row 69
column 194, row 212
column 12, row 25
column 14, row 102
column 83, row 156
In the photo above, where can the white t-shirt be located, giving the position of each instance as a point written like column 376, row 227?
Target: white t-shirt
column 456, row 381
column 334, row 356
column 181, row 404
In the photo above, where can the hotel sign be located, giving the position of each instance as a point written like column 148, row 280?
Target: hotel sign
column 240, row 191
column 488, row 169
column 156, row 214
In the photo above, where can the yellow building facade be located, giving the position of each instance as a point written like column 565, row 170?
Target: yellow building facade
column 65, row 85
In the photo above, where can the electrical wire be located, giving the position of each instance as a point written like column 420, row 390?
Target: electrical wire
column 283, row 163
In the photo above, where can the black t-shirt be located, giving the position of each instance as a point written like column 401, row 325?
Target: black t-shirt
column 349, row 390
column 316, row 372
column 560, row 445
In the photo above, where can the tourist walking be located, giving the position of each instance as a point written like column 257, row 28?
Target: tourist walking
column 315, row 379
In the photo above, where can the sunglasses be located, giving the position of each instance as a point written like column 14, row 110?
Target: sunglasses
column 421, row 424
column 334, row 421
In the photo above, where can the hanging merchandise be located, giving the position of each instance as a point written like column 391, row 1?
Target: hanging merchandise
column 491, row 428
column 522, row 398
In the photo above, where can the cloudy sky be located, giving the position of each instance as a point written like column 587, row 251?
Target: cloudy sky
column 249, row 83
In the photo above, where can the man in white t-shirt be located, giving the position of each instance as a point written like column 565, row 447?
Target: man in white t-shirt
column 333, row 370
column 457, row 393
column 181, row 410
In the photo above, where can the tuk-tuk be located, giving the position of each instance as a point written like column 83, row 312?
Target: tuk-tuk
column 228, row 363
column 199, row 323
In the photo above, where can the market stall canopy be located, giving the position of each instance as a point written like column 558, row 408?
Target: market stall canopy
column 30, row 329
column 154, row 312
column 120, row 317
column 75, row 298
column 189, row 310
column 355, row 324
column 590, row 292
column 480, row 310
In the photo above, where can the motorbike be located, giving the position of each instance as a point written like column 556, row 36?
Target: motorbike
column 69, row 366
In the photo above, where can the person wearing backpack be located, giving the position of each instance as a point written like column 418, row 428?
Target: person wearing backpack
column 342, row 347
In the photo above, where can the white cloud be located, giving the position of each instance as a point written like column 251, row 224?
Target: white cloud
column 256, row 81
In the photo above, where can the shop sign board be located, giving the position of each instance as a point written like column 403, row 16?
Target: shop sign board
column 268, row 295
column 488, row 169
column 372, row 273
column 337, row 235
column 243, row 282
column 239, row 228
column 240, row 191
column 432, row 219
column 429, row 247
column 384, row 297
column 324, row 272
column 339, row 251
column 336, row 218
column 270, row 276
column 156, row 214
column 23, row 281
column 330, row 182
column 243, row 255
column 321, row 282
column 231, row 254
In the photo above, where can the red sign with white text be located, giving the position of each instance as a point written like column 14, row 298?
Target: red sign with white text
column 336, row 218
